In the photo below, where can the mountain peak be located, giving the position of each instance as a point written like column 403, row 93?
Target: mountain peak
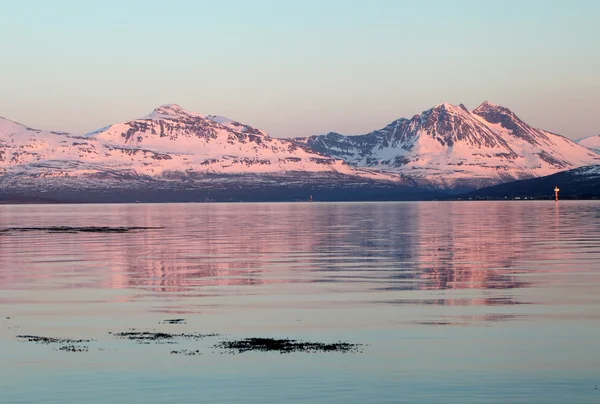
column 444, row 106
column 486, row 103
column 494, row 113
column 497, row 114
column 487, row 107
column 171, row 111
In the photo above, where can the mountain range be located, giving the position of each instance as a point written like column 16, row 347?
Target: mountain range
column 169, row 142
column 451, row 147
column 174, row 154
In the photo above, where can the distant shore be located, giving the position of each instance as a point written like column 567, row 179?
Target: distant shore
column 449, row 199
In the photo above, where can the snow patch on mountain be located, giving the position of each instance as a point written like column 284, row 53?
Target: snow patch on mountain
column 591, row 142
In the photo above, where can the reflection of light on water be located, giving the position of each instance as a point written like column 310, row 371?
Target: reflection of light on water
column 212, row 250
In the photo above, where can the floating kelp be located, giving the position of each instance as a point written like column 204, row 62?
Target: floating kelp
column 286, row 346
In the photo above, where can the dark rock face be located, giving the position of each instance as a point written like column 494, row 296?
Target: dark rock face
column 449, row 125
column 340, row 146
column 172, row 121
column 547, row 157
column 508, row 120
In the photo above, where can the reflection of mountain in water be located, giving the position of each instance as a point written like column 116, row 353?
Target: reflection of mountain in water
column 214, row 246
column 381, row 247
column 430, row 246
column 387, row 246
column 473, row 247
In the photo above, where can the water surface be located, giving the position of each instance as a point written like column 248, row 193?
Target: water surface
column 457, row 302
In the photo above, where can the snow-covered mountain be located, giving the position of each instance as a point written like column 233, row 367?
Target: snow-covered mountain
column 192, row 143
column 591, row 142
column 175, row 150
column 451, row 147
column 169, row 140
column 168, row 148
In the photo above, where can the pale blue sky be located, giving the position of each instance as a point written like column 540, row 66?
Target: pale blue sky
column 299, row 67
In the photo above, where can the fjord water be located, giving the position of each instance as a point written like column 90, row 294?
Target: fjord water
column 455, row 302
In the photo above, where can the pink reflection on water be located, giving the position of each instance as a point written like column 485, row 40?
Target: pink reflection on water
column 201, row 250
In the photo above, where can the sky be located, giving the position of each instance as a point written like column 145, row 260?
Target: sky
column 296, row 68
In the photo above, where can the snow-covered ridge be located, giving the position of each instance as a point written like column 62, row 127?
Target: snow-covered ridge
column 591, row 142
column 171, row 111
column 589, row 171
column 168, row 143
column 451, row 146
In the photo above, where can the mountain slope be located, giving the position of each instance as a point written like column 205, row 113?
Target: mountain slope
column 194, row 143
column 451, row 147
column 579, row 183
column 591, row 142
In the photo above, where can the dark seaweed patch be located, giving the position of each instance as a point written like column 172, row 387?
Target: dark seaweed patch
column 147, row 337
column 51, row 340
column 186, row 352
column 68, row 344
column 174, row 321
column 286, row 346
column 229, row 346
column 68, row 229
column 433, row 323
column 74, row 348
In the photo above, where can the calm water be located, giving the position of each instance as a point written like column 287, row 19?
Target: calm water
column 464, row 302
